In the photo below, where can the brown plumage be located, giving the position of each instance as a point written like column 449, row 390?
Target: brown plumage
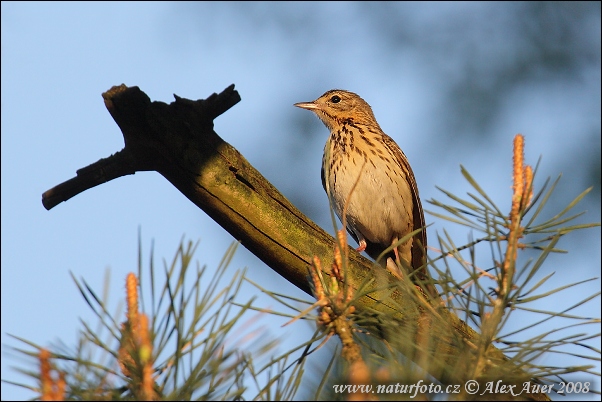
column 384, row 206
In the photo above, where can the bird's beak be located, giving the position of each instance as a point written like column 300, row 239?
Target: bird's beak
column 307, row 105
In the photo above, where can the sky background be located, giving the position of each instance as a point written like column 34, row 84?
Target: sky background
column 452, row 83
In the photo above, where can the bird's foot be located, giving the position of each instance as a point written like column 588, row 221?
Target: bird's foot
column 362, row 246
column 394, row 268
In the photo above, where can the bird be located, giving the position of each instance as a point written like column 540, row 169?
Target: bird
column 367, row 176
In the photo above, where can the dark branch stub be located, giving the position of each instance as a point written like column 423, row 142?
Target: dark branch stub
column 130, row 108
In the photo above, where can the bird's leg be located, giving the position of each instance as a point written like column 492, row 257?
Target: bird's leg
column 362, row 245
column 396, row 252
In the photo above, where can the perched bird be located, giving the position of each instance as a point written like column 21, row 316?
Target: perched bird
column 366, row 174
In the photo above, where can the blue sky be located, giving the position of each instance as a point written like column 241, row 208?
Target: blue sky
column 451, row 83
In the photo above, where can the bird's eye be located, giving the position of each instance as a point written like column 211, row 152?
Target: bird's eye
column 335, row 99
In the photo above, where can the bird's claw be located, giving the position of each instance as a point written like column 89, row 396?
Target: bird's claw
column 362, row 246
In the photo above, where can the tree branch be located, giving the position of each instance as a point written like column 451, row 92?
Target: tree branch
column 178, row 141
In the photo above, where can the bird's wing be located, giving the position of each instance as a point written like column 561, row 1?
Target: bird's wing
column 419, row 242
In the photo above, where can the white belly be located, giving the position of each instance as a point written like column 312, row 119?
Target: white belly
column 379, row 208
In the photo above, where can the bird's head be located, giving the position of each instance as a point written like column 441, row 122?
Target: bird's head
column 337, row 106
